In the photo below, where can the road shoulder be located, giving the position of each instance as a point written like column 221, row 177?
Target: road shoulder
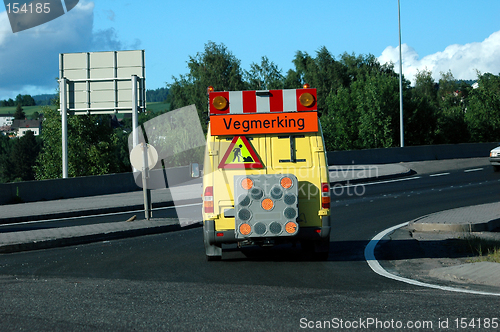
column 437, row 257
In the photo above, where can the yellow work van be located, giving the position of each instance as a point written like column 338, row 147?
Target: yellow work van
column 265, row 177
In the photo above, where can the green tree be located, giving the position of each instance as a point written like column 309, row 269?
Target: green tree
column 157, row 95
column 364, row 115
column 6, row 145
column 23, row 157
column 27, row 100
column 18, row 156
column 421, row 110
column 216, row 67
column 361, row 66
column 483, row 109
column 379, row 111
column 322, row 72
column 266, row 76
column 341, row 125
column 19, row 113
column 452, row 127
column 35, row 116
column 363, row 112
column 425, row 86
column 92, row 146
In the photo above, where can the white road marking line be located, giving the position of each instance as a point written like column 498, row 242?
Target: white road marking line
column 377, row 268
column 439, row 174
column 473, row 170
column 378, row 182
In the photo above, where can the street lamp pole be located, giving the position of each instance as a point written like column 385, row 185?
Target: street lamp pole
column 401, row 129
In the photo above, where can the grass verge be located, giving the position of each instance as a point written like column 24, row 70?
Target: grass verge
column 484, row 250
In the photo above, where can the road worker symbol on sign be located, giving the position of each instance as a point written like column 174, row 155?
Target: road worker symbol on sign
column 237, row 153
column 240, row 154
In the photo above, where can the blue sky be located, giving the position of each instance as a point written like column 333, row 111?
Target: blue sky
column 459, row 35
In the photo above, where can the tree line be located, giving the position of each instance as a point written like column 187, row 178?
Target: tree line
column 23, row 100
column 358, row 100
column 358, row 97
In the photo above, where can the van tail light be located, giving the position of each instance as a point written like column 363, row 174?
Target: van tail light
column 208, row 200
column 325, row 195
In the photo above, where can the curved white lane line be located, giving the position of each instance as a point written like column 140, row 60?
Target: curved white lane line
column 377, row 268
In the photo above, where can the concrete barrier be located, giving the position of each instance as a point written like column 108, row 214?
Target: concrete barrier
column 32, row 191
column 410, row 153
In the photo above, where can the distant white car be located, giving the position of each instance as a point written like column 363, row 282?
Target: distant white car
column 495, row 158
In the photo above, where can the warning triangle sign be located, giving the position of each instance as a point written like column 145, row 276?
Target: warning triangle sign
column 240, row 154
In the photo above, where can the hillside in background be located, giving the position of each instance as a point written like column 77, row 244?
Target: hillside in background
column 152, row 96
column 45, row 99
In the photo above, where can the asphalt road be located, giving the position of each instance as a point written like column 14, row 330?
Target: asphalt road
column 162, row 282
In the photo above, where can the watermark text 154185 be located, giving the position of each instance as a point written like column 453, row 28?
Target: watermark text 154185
column 24, row 8
column 25, row 15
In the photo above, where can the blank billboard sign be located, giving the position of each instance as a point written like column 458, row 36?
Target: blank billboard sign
column 100, row 82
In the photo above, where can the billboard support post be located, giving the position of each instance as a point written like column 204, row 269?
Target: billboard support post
column 135, row 120
column 64, row 126
column 145, row 177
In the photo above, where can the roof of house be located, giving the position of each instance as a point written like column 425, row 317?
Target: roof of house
column 26, row 124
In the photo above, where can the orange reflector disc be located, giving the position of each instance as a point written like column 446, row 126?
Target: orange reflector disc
column 247, row 183
column 219, row 103
column 286, row 182
column 245, row 229
column 267, row 204
column 290, row 227
column 306, row 99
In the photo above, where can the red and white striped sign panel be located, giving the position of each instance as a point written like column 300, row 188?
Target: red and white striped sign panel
column 264, row 101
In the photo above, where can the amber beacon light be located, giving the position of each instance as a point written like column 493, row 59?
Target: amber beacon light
column 306, row 99
column 219, row 103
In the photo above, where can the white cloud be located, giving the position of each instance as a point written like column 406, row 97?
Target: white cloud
column 462, row 60
column 30, row 58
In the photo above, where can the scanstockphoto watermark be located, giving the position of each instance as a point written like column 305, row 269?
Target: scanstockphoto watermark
column 462, row 323
column 367, row 323
column 25, row 15
column 353, row 172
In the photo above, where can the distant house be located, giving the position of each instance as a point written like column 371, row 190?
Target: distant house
column 5, row 130
column 6, row 120
column 22, row 126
